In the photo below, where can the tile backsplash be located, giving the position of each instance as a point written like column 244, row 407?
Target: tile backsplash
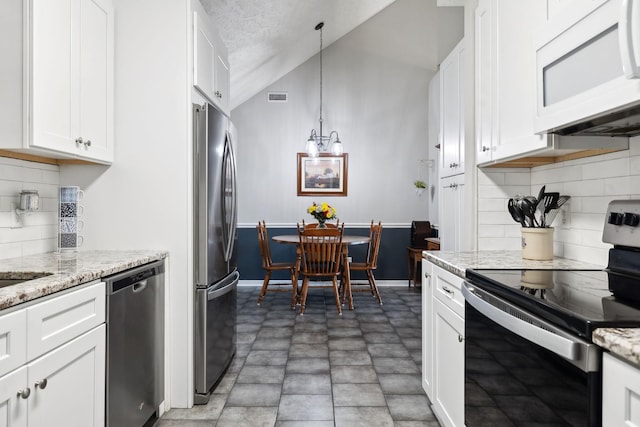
column 591, row 182
column 39, row 231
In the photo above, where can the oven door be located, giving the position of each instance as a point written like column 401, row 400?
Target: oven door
column 521, row 369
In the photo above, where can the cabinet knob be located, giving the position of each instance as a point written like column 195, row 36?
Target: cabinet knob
column 87, row 143
column 218, row 94
column 427, row 275
column 485, row 148
column 79, row 140
column 42, row 384
column 24, row 393
column 460, row 338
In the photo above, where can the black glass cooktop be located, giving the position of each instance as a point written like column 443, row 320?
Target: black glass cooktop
column 577, row 300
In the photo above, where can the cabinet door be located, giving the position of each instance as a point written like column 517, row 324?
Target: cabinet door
column 620, row 392
column 71, row 62
column 13, row 407
column 427, row 329
column 485, row 79
column 451, row 214
column 448, row 402
column 53, row 92
column 222, row 83
column 96, row 79
column 204, row 57
column 451, row 113
column 13, row 340
column 74, row 392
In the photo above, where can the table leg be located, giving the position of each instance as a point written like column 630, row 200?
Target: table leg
column 296, row 274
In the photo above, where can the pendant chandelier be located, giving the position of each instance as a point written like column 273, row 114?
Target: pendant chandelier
column 322, row 143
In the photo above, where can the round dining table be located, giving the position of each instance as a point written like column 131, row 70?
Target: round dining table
column 347, row 240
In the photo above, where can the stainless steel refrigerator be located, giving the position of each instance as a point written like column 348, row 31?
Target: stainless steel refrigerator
column 215, row 251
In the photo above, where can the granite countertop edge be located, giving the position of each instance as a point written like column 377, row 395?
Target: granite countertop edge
column 623, row 342
column 65, row 270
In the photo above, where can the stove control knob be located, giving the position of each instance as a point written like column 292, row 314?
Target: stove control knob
column 631, row 219
column 615, row 218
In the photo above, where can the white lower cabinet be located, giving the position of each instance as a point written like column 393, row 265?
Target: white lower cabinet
column 443, row 343
column 620, row 393
column 56, row 383
column 427, row 328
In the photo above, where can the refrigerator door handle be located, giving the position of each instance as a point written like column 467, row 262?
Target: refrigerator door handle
column 229, row 172
column 231, row 285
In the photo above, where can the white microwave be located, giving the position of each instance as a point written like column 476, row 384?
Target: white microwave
column 588, row 70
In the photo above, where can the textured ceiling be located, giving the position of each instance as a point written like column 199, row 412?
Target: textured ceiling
column 268, row 38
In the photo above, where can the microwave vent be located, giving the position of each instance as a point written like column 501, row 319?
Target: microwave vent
column 277, row 96
column 625, row 123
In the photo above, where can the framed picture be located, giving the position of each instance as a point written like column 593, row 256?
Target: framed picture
column 325, row 175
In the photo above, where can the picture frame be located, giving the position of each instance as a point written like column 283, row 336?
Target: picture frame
column 325, row 175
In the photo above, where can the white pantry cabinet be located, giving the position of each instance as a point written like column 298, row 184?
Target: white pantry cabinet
column 59, row 347
column 58, row 91
column 505, row 79
column 210, row 65
column 452, row 135
column 620, row 392
column 443, row 350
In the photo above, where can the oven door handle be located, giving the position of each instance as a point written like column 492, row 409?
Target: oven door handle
column 547, row 338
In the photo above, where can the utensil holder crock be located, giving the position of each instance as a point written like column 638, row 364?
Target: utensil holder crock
column 537, row 243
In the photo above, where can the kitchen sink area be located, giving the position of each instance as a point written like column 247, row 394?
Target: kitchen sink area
column 15, row 278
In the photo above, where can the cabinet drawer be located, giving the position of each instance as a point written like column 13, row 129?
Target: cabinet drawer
column 447, row 288
column 61, row 319
column 13, row 340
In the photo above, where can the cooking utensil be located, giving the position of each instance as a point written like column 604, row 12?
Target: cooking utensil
column 549, row 217
column 529, row 211
column 540, row 194
column 516, row 212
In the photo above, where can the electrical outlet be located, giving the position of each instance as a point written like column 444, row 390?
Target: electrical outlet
column 16, row 220
column 349, row 259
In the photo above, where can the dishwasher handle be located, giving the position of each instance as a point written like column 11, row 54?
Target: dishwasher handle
column 229, row 285
column 139, row 286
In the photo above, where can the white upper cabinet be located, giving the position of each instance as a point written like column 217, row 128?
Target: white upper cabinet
column 505, row 73
column 210, row 64
column 64, row 68
column 452, row 112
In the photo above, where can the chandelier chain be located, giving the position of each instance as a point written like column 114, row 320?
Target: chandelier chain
column 321, row 82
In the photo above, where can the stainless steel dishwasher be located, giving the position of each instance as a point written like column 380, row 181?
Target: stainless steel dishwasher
column 135, row 345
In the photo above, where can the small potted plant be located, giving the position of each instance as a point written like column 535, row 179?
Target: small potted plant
column 420, row 186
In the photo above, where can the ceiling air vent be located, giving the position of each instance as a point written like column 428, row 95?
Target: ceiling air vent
column 277, row 96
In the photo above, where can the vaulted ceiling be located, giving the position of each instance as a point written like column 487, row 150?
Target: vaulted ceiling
column 267, row 39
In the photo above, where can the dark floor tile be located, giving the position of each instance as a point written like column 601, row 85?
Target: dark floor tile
column 267, row 357
column 387, row 350
column 269, row 333
column 210, row 411
column 305, row 407
column 254, row 395
column 410, row 407
column 358, row 416
column 349, row 357
column 353, row 343
column 353, row 374
column 381, row 338
column 307, row 384
column 248, row 416
column 342, row 323
column 358, row 395
column 344, row 332
column 309, row 350
column 310, row 337
column 308, row 365
column 257, row 374
column 401, row 383
column 304, row 424
column 395, row 365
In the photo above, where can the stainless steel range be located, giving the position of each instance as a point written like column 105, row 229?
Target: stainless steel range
column 529, row 357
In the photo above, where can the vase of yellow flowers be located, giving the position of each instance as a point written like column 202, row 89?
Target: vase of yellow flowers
column 323, row 212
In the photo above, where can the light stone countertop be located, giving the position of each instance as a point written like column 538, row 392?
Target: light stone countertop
column 67, row 270
column 623, row 342
column 458, row 262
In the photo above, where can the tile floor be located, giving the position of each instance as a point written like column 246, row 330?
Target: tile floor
column 320, row 369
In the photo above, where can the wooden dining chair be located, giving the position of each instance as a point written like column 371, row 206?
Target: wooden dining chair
column 321, row 255
column 369, row 264
column 269, row 267
column 315, row 225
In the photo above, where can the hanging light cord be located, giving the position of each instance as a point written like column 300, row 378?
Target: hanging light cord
column 319, row 27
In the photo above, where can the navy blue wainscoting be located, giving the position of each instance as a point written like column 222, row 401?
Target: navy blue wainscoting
column 392, row 259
